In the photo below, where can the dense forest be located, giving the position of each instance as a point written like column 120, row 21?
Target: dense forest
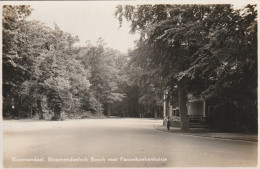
column 209, row 51
column 47, row 76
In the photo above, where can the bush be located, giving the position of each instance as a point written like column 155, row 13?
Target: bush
column 48, row 115
column 230, row 118
column 84, row 115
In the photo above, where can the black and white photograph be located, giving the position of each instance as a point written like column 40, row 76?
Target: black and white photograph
column 129, row 84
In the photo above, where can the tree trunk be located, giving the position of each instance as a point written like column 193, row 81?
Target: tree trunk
column 108, row 110
column 31, row 111
column 19, row 107
column 39, row 105
column 155, row 113
column 182, row 97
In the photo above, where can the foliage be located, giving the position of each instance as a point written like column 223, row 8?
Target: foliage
column 14, row 72
column 105, row 75
column 45, row 74
column 206, row 50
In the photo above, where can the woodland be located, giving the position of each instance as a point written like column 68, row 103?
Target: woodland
column 209, row 51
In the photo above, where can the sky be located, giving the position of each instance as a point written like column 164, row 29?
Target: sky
column 88, row 20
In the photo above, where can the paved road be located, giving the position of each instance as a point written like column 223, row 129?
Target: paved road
column 126, row 142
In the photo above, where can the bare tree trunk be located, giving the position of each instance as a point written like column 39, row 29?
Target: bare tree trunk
column 182, row 96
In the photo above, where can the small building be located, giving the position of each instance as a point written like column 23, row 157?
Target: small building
column 196, row 111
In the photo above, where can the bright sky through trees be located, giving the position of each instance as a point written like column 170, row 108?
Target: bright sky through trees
column 87, row 20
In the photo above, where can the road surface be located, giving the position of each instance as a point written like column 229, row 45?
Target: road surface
column 115, row 143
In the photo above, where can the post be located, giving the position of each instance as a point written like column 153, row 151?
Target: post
column 170, row 110
column 168, row 123
column 204, row 108
column 164, row 105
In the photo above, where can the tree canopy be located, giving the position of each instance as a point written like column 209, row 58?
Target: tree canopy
column 46, row 75
column 206, row 50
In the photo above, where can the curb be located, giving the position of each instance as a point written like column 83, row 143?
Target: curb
column 198, row 135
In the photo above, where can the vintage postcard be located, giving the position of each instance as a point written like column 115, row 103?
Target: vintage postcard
column 129, row 84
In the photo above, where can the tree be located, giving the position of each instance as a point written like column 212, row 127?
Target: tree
column 45, row 74
column 65, row 79
column 14, row 71
column 172, row 59
column 105, row 75
column 193, row 46
column 139, row 77
column 41, row 69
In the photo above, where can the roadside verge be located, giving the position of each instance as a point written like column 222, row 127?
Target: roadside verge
column 204, row 132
